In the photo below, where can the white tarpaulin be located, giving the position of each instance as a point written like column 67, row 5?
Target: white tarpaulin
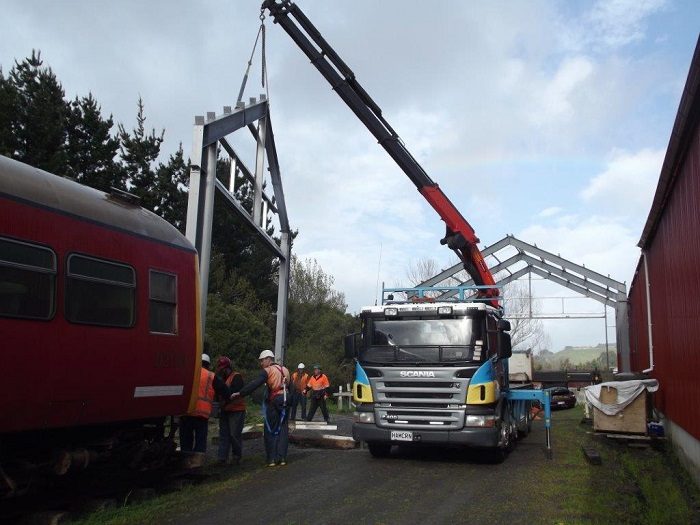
column 627, row 391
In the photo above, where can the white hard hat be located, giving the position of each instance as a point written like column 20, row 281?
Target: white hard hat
column 206, row 359
column 301, row 365
column 266, row 353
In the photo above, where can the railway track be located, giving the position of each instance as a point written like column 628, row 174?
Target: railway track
column 61, row 499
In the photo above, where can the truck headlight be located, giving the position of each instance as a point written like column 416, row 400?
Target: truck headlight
column 480, row 421
column 363, row 417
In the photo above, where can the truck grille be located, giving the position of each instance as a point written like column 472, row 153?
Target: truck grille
column 421, row 403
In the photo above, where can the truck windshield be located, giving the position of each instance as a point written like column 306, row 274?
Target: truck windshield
column 422, row 340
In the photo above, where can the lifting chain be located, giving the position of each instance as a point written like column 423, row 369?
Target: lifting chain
column 265, row 82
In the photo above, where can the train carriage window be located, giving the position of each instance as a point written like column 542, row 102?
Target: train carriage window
column 100, row 292
column 27, row 280
column 163, row 303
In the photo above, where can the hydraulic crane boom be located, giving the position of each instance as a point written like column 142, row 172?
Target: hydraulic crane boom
column 460, row 236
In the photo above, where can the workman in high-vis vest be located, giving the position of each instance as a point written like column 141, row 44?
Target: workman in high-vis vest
column 275, row 405
column 318, row 384
column 194, row 426
column 298, row 388
column 232, row 414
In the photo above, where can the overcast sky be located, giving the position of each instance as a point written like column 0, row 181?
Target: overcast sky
column 548, row 120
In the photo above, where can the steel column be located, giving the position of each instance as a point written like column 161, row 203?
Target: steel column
column 259, row 172
column 282, row 296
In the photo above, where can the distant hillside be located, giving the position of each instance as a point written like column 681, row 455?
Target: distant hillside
column 573, row 357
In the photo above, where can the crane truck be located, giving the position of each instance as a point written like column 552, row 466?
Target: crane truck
column 427, row 370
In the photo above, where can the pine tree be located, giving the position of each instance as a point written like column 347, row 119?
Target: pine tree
column 8, row 95
column 90, row 148
column 138, row 153
column 37, row 123
column 172, row 181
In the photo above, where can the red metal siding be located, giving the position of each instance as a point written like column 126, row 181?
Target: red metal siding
column 639, row 335
column 674, row 272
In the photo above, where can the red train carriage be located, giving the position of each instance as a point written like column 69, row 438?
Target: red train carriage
column 99, row 327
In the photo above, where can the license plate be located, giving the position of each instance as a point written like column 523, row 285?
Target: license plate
column 561, row 403
column 401, row 436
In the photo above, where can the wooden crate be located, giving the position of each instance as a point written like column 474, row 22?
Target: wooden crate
column 632, row 420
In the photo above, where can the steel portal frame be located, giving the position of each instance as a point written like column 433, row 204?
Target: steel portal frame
column 208, row 136
column 556, row 269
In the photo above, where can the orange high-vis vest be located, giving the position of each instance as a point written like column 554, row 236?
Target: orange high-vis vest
column 299, row 381
column 238, row 403
column 277, row 376
column 205, row 397
column 318, row 383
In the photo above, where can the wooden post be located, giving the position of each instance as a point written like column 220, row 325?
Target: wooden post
column 340, row 398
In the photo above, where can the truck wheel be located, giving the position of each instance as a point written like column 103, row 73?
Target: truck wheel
column 378, row 449
column 526, row 427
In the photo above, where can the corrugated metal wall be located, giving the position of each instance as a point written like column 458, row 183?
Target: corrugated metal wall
column 673, row 259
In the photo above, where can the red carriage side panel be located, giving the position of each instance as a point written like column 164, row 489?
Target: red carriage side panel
column 58, row 373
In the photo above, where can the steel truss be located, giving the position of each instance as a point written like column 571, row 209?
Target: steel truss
column 208, row 136
column 555, row 268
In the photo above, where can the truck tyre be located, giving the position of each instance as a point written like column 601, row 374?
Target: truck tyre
column 526, row 427
column 378, row 449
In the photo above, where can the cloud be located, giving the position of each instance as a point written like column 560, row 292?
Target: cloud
column 616, row 23
column 556, row 96
column 550, row 212
column 627, row 184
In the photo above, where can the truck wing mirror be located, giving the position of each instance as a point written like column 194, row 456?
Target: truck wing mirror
column 505, row 350
column 350, row 348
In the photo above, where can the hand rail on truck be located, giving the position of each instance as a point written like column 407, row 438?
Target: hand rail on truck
column 464, row 293
column 545, row 398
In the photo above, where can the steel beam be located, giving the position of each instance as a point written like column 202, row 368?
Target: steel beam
column 259, row 171
column 568, row 265
column 275, row 176
column 228, row 123
column 571, row 286
column 235, row 159
column 282, row 296
column 563, row 274
column 236, row 206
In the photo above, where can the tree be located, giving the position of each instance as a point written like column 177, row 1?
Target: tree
column 172, row 181
column 310, row 285
column 238, row 324
column 90, row 148
column 37, row 119
column 421, row 270
column 317, row 320
column 520, row 308
column 8, row 96
column 138, row 153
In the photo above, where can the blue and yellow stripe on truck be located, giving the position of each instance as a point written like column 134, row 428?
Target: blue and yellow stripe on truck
column 361, row 389
column 483, row 388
